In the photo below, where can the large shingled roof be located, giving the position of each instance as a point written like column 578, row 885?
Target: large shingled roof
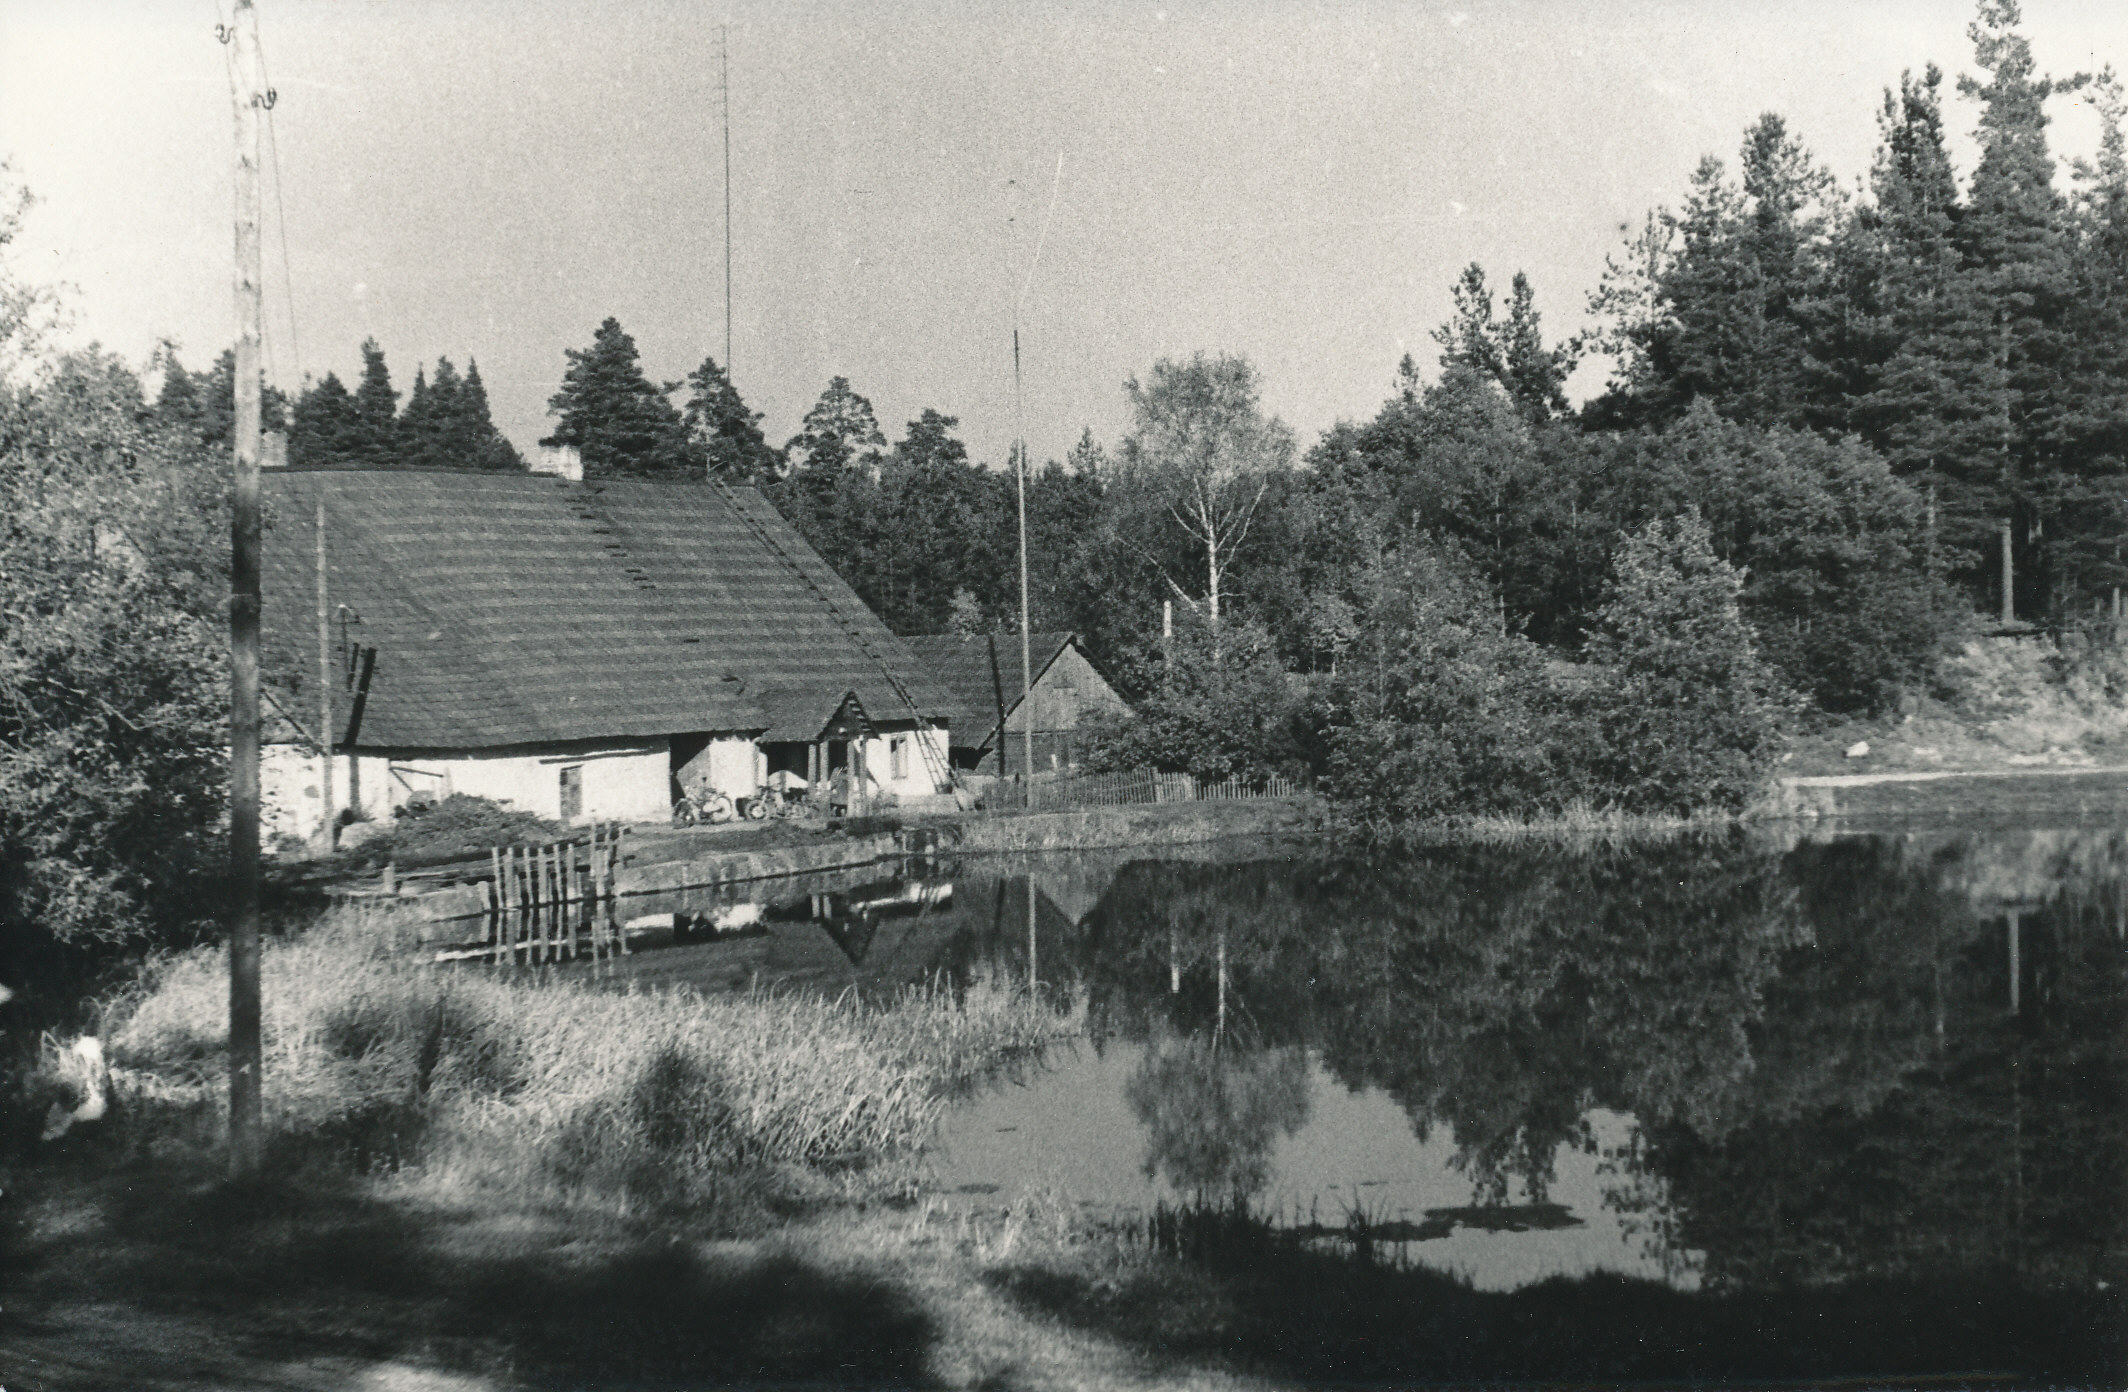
column 962, row 665
column 512, row 609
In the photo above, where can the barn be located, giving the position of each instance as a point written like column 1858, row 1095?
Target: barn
column 583, row 650
column 982, row 672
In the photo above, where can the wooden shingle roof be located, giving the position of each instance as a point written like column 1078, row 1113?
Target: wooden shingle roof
column 513, row 609
column 962, row 665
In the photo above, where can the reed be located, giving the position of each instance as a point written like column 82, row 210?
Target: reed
column 559, row 1089
column 1577, row 820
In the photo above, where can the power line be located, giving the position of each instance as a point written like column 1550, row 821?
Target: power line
column 288, row 274
column 280, row 204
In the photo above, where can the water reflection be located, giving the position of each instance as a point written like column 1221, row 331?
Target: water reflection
column 1867, row 1055
column 1746, row 1059
column 1211, row 1115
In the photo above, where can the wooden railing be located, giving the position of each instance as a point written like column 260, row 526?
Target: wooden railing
column 546, row 902
column 555, row 902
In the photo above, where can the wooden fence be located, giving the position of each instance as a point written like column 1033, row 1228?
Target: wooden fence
column 551, row 903
column 1077, row 792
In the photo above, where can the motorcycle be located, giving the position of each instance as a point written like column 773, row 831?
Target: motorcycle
column 709, row 806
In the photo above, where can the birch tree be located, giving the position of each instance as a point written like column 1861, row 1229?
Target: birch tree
column 1202, row 452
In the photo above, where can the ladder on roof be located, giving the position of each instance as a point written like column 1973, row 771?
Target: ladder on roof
column 935, row 765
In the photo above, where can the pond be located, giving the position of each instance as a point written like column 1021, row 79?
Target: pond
column 1747, row 1060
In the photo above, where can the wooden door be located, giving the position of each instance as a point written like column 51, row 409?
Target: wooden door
column 572, row 792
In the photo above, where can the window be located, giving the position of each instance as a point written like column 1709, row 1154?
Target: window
column 572, row 792
column 898, row 757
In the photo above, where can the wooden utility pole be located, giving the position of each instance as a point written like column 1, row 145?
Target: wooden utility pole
column 325, row 702
column 245, row 1057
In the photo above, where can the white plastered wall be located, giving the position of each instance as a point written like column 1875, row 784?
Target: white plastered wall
column 735, row 764
column 627, row 783
column 917, row 779
column 291, row 791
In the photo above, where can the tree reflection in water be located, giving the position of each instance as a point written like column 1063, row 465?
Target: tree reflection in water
column 1816, row 1040
column 1212, row 1113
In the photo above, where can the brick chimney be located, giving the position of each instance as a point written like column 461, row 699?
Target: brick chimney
column 562, row 461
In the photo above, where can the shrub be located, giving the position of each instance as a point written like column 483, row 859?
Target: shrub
column 457, row 826
column 113, row 668
column 1684, row 716
column 1220, row 707
column 1439, row 711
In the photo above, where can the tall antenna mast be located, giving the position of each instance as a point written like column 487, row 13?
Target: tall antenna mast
column 249, row 97
column 1019, row 454
column 724, row 106
column 1019, row 451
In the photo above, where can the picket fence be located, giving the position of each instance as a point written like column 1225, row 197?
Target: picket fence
column 1076, row 792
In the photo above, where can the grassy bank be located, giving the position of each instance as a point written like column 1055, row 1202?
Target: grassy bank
column 476, row 1082
column 1223, row 1289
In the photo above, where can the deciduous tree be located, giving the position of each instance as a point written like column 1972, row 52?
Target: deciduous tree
column 1202, row 451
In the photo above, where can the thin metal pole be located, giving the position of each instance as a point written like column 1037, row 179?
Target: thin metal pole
column 2009, row 581
column 724, row 101
column 325, row 702
column 245, row 1053
column 2017, row 975
column 1026, row 702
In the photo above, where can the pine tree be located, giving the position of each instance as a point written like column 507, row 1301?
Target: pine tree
column 377, row 408
column 839, row 431
column 484, row 446
column 325, row 428
column 2093, row 433
column 615, row 417
column 416, row 427
column 216, row 390
column 938, row 529
column 452, row 443
column 1905, row 259
column 722, row 434
column 1977, row 402
column 1468, row 338
column 833, row 458
column 1534, row 375
column 1509, row 352
column 1724, row 300
column 433, row 430
column 177, row 405
column 2019, row 284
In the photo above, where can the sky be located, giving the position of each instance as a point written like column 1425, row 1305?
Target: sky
column 1296, row 183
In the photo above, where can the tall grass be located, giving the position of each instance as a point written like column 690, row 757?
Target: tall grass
column 557, row 1089
column 1578, row 820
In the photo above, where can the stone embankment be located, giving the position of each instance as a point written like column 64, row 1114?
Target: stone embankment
column 1155, row 824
